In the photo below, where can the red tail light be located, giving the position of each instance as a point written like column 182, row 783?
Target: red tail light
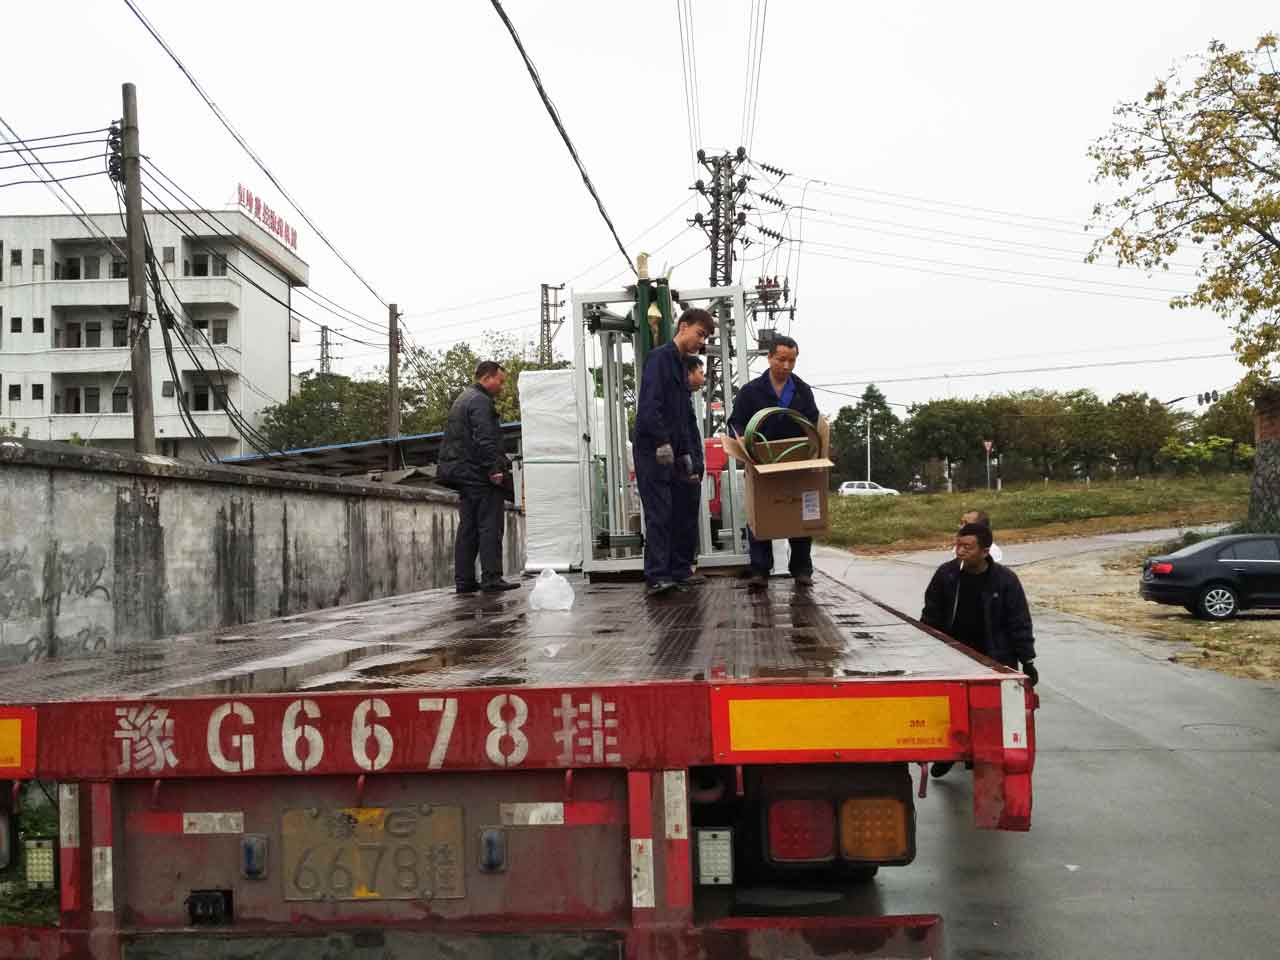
column 802, row 830
column 1162, row 569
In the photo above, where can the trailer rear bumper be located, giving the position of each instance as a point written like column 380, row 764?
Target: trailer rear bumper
column 801, row 938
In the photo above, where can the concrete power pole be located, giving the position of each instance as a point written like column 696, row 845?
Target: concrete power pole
column 550, row 322
column 326, row 360
column 393, row 382
column 144, row 421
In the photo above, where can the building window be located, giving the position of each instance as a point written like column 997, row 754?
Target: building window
column 200, row 265
column 37, row 324
column 15, row 392
column 90, row 400
column 167, row 256
column 220, row 397
column 119, row 268
column 120, row 400
column 201, row 324
column 119, row 333
column 71, row 336
column 15, row 324
column 202, row 398
column 92, row 266
column 37, row 257
column 72, row 402
column 93, row 334
column 219, row 265
column 219, row 330
column 71, row 268
column 167, row 389
column 15, row 258
column 37, row 392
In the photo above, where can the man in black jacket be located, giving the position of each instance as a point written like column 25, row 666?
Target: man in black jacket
column 981, row 604
column 472, row 462
column 686, row 491
column 777, row 387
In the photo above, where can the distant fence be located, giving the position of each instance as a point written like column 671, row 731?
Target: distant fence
column 99, row 550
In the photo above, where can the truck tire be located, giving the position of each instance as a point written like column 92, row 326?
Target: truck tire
column 1218, row 602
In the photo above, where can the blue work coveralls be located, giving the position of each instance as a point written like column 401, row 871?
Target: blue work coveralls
column 756, row 396
column 686, row 501
column 663, row 414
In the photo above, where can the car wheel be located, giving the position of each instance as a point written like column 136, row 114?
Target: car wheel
column 1218, row 602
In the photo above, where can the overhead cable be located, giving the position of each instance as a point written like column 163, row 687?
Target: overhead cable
column 555, row 118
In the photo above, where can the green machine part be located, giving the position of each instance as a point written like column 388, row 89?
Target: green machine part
column 651, row 293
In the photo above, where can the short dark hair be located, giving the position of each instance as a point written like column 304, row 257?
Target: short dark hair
column 692, row 362
column 487, row 368
column 781, row 341
column 699, row 316
column 983, row 533
column 982, row 520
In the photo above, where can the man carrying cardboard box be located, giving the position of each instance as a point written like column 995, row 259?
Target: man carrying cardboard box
column 777, row 387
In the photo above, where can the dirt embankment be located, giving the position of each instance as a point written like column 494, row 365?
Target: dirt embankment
column 1104, row 587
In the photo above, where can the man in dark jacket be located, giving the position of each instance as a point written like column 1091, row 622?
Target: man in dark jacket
column 662, row 444
column 686, row 496
column 980, row 603
column 472, row 462
column 777, row 387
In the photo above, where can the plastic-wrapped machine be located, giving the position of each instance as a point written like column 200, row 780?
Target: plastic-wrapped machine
column 550, row 441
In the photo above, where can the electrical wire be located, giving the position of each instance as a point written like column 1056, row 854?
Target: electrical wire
column 684, row 74
column 50, row 163
column 9, row 148
column 258, row 161
column 78, row 176
column 693, row 70
column 555, row 118
column 755, row 107
column 53, row 136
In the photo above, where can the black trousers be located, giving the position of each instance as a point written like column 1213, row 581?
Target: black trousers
column 479, row 533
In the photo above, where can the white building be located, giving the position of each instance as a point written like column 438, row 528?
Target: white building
column 64, row 357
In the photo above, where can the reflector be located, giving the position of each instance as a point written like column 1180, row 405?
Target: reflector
column 873, row 828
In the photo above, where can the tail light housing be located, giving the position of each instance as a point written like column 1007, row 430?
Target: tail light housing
column 1162, row 569
column 873, row 828
column 802, row 830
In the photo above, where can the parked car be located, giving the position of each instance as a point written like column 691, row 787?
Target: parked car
column 864, row 488
column 1216, row 578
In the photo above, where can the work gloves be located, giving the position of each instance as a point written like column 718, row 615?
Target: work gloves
column 665, row 455
column 686, row 465
column 1029, row 668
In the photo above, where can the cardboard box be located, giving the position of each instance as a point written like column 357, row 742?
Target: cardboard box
column 787, row 498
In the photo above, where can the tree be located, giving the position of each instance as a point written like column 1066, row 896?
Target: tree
column 1139, row 427
column 1042, row 429
column 1231, row 417
column 328, row 408
column 890, row 461
column 1088, row 434
column 947, row 430
column 1197, row 163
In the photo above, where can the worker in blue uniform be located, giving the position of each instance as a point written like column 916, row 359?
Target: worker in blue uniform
column 686, row 491
column 662, row 445
column 777, row 387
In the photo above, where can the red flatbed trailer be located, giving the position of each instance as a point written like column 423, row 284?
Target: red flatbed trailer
column 435, row 776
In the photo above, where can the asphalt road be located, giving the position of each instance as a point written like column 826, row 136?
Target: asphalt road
column 1156, row 825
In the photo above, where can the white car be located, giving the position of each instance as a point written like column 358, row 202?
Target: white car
column 865, row 488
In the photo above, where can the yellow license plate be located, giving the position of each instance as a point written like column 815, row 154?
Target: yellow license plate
column 373, row 853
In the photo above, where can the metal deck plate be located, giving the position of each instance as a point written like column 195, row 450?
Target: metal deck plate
column 434, row 639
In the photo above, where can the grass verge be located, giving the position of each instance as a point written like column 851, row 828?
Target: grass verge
column 885, row 524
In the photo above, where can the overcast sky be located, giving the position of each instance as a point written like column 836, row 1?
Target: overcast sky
column 956, row 136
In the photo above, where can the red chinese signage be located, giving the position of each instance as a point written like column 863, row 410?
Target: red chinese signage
column 272, row 221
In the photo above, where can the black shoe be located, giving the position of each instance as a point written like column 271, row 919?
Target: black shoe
column 940, row 770
column 696, row 580
column 497, row 586
column 803, row 579
column 659, row 588
column 466, row 588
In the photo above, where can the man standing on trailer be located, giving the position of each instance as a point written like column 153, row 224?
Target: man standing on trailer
column 777, row 387
column 662, row 447
column 686, row 496
column 472, row 462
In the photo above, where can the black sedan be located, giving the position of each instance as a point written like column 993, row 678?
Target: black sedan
column 1217, row 578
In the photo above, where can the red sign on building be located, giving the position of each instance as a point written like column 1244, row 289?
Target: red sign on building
column 272, row 221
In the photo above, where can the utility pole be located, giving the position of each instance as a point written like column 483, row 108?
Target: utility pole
column 868, row 444
column 550, row 323
column 393, row 375
column 144, row 421
column 326, row 361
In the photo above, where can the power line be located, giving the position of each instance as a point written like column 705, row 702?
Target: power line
column 49, row 146
column 53, row 136
column 261, row 164
column 1024, row 370
column 755, row 106
column 50, row 163
column 78, row 176
column 555, row 118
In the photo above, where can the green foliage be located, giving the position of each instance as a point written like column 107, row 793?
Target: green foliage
column 931, row 519
column 891, row 463
column 1196, row 163
column 21, row 905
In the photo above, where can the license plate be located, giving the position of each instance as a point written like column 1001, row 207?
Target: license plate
column 373, row 853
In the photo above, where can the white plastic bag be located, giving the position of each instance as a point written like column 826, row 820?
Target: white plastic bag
column 551, row 592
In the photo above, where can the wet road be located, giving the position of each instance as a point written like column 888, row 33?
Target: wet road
column 1156, row 829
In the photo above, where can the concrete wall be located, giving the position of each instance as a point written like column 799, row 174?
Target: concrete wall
column 100, row 550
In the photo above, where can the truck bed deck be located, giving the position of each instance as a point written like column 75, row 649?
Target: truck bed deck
column 433, row 639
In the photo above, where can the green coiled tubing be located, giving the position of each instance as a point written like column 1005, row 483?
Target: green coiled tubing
column 750, row 438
